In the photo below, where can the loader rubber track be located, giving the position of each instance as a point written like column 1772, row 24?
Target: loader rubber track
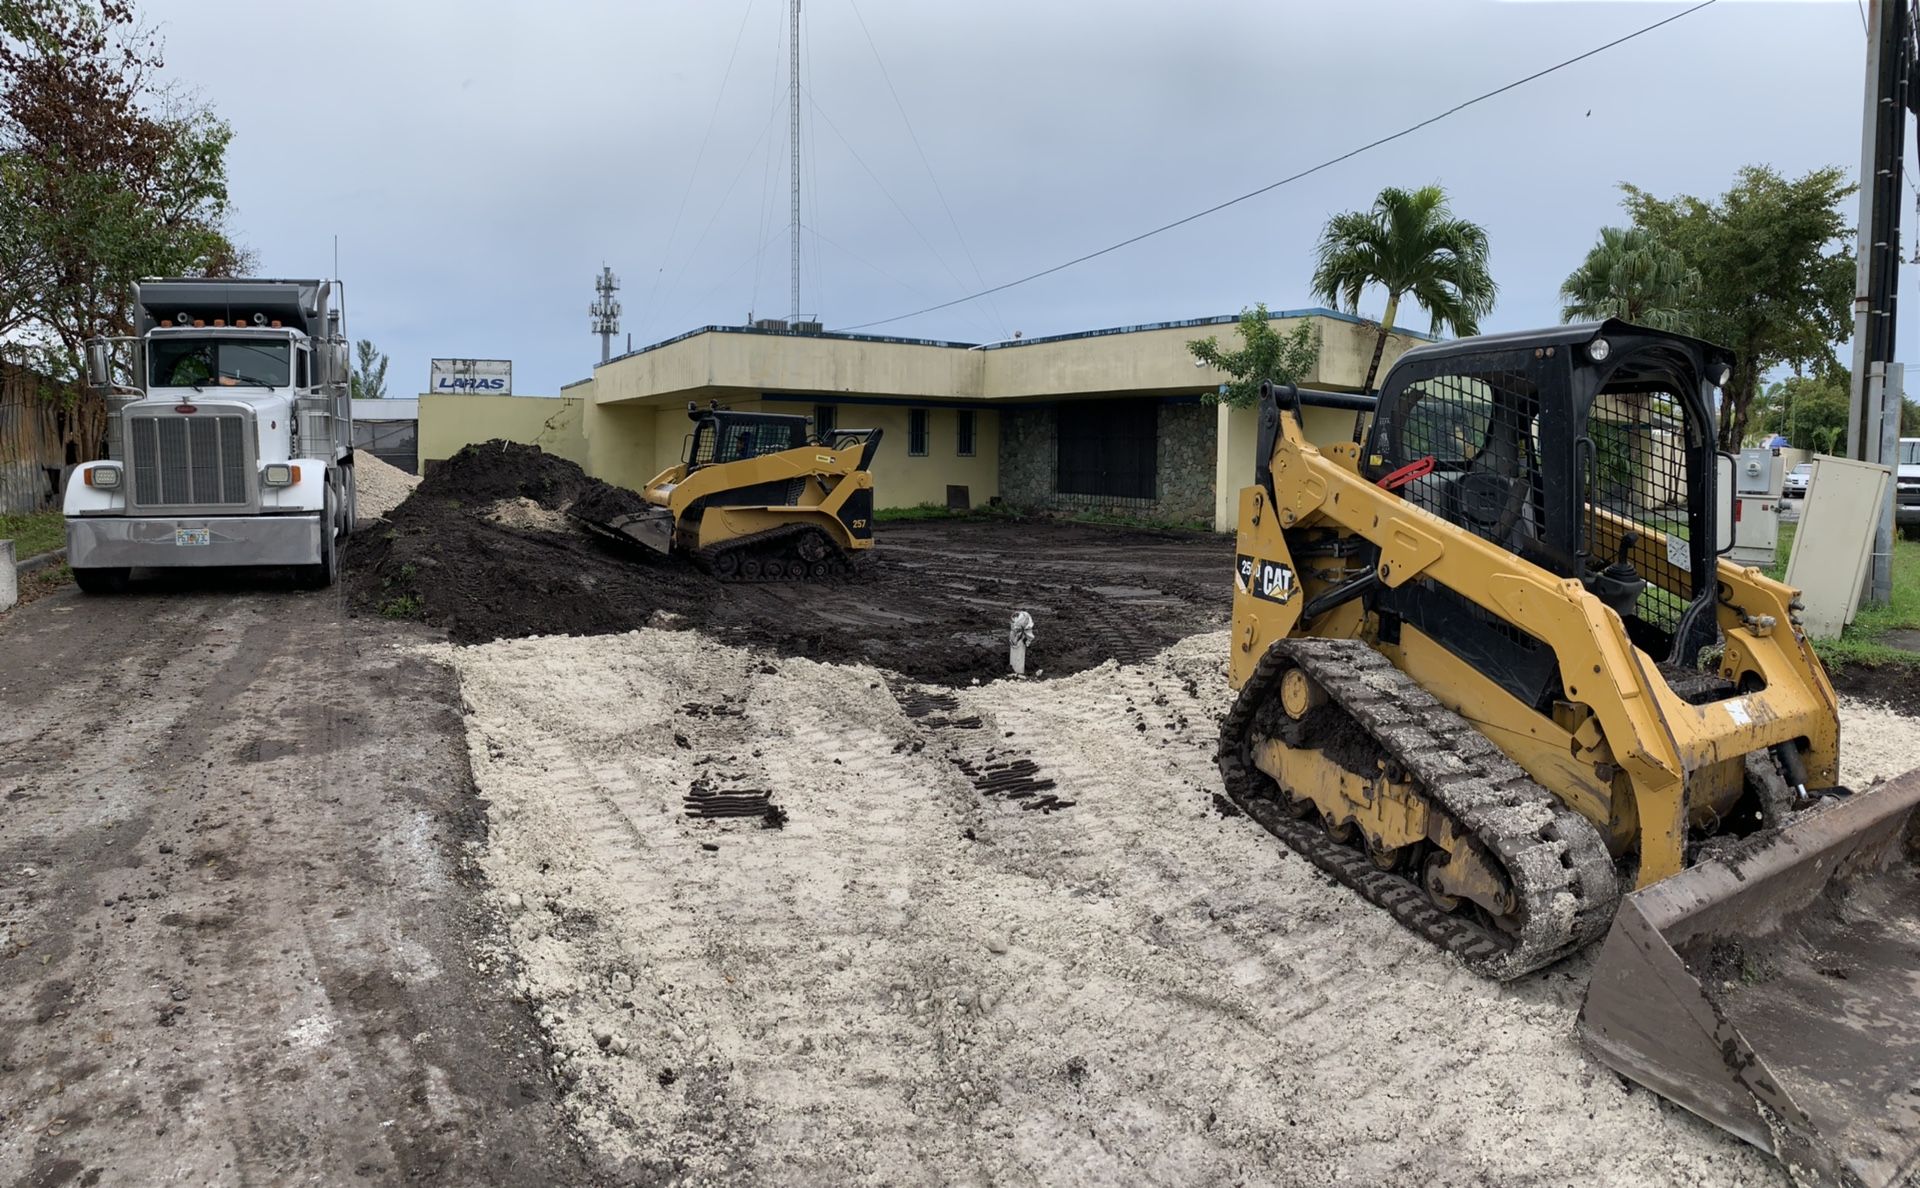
column 733, row 560
column 1563, row 877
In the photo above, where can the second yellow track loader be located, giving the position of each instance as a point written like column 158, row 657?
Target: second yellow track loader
column 756, row 498
column 1495, row 676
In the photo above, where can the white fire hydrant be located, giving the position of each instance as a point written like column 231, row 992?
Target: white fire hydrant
column 1019, row 635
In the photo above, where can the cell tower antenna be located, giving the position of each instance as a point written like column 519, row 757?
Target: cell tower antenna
column 793, row 125
column 605, row 311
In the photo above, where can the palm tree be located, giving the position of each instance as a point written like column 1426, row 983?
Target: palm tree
column 1411, row 245
column 1632, row 276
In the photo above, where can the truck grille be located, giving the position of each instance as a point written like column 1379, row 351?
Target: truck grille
column 188, row 461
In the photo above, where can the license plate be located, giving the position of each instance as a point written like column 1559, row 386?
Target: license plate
column 192, row 536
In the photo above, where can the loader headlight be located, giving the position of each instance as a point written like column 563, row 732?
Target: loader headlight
column 1599, row 349
column 106, row 478
column 279, row 474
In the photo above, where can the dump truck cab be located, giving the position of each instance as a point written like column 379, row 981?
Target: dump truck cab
column 228, row 435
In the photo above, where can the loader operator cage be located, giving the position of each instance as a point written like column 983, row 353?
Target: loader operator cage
column 732, row 437
column 1621, row 411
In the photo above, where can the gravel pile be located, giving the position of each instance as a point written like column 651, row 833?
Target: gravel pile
column 379, row 486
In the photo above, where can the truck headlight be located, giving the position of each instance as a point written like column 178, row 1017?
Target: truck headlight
column 106, row 478
column 279, row 474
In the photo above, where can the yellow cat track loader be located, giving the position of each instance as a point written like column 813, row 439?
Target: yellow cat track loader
column 757, row 498
column 1494, row 676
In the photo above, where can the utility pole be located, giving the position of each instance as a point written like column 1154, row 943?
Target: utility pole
column 605, row 311
column 1873, row 405
column 793, row 122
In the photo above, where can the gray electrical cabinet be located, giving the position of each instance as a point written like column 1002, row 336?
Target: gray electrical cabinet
column 1758, row 477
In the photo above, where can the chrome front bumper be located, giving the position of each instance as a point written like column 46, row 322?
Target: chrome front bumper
column 112, row 542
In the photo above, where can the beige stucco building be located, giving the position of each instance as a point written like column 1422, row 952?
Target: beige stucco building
column 1111, row 420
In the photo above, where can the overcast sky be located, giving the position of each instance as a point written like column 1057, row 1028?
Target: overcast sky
column 480, row 160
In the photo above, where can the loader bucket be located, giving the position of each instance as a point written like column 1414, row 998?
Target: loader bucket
column 1775, row 991
column 652, row 528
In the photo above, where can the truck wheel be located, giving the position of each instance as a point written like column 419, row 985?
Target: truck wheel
column 319, row 576
column 353, row 506
column 110, row 580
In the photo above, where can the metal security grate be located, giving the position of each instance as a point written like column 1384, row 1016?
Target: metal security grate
column 189, row 461
column 1480, row 429
column 1640, row 484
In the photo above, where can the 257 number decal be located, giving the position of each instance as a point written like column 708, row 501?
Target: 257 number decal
column 1267, row 579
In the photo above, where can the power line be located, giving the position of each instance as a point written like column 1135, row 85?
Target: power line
column 862, row 161
column 646, row 311
column 1308, row 172
column 924, row 163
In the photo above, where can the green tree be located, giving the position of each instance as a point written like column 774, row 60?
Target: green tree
column 369, row 378
column 1809, row 411
column 106, row 176
column 1264, row 354
column 1411, row 245
column 1776, row 273
column 1631, row 276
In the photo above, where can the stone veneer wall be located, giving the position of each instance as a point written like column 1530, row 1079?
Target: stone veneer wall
column 1184, row 483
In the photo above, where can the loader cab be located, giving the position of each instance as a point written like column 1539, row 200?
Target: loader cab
column 721, row 436
column 1587, row 450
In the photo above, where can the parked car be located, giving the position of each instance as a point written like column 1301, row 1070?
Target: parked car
column 1797, row 479
column 1906, row 503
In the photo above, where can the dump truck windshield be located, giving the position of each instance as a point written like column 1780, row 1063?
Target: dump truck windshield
column 219, row 362
column 1910, row 451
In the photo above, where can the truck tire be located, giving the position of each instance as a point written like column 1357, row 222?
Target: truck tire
column 320, row 575
column 107, row 580
column 352, row 518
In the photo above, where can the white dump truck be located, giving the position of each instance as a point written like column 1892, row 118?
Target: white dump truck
column 229, row 434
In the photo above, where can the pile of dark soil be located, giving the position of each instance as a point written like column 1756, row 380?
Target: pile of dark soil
column 934, row 608
column 1896, row 686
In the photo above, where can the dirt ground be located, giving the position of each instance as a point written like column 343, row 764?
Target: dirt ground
column 237, row 919
column 464, row 553
column 1002, row 935
column 734, row 885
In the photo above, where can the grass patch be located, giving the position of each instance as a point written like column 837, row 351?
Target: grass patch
column 1860, row 642
column 934, row 511
column 406, row 606
column 40, row 532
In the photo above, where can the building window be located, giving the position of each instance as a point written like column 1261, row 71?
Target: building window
column 963, row 433
column 824, row 422
column 1108, row 448
column 917, row 432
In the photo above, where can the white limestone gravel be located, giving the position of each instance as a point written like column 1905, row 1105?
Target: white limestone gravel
column 380, row 486
column 913, row 983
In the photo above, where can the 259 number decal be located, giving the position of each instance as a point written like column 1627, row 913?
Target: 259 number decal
column 1267, row 579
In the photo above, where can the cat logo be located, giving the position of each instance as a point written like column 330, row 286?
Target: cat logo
column 1266, row 579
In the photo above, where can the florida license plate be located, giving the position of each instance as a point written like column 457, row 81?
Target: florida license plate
column 192, row 536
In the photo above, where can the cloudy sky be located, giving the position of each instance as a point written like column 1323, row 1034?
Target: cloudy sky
column 480, row 160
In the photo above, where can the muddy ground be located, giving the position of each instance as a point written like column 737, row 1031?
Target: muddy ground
column 935, row 606
column 238, row 916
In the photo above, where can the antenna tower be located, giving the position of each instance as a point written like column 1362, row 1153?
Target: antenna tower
column 793, row 124
column 605, row 311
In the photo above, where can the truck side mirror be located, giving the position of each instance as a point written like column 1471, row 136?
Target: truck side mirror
column 99, row 363
column 1724, row 482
